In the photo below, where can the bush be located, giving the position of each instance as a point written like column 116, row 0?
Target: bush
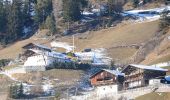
column 16, row 91
column 57, row 96
column 70, row 65
column 3, row 62
column 164, row 21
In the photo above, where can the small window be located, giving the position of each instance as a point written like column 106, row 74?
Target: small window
column 107, row 78
column 99, row 79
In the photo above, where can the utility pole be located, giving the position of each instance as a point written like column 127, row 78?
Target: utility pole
column 76, row 91
column 73, row 44
column 68, row 94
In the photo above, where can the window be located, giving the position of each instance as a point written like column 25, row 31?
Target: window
column 107, row 78
column 99, row 79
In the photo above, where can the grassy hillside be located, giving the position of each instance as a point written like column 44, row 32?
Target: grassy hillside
column 14, row 49
column 122, row 34
column 64, row 76
column 161, row 59
column 161, row 52
column 155, row 96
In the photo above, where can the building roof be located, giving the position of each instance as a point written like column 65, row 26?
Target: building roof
column 146, row 67
column 114, row 72
column 30, row 45
column 117, row 73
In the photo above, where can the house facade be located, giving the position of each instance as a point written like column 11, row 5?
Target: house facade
column 106, row 77
column 107, row 82
column 141, row 75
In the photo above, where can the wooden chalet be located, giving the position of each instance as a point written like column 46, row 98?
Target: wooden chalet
column 28, row 50
column 36, row 47
column 106, row 77
column 141, row 75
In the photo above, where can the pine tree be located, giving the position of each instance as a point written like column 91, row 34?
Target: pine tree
column 14, row 20
column 50, row 24
column 26, row 12
column 165, row 20
column 2, row 17
column 135, row 3
column 71, row 10
column 146, row 1
column 21, row 91
column 114, row 6
column 110, row 6
column 13, row 91
column 43, row 8
column 83, row 4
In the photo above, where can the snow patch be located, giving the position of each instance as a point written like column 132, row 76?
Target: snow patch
column 146, row 15
column 98, row 56
column 62, row 45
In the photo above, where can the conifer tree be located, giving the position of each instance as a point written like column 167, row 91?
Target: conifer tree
column 114, row 6
column 14, row 20
column 71, row 10
column 50, row 24
column 135, row 3
column 110, row 6
column 165, row 20
column 43, row 8
column 21, row 91
column 2, row 17
column 26, row 12
column 13, row 91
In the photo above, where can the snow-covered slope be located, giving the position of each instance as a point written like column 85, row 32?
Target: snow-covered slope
column 146, row 15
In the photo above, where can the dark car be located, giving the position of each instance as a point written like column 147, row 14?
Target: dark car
column 166, row 80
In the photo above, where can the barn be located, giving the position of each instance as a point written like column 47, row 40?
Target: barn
column 107, row 81
column 141, row 75
column 36, row 47
column 106, row 77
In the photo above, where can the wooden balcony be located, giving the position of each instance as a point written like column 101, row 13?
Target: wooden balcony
column 105, row 82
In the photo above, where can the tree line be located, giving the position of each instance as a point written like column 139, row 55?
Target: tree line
column 16, row 91
column 70, row 65
column 137, row 3
column 164, row 21
column 19, row 15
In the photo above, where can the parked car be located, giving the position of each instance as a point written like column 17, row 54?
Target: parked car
column 166, row 80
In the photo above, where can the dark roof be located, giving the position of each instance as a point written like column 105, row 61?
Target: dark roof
column 114, row 72
column 31, row 45
column 27, row 45
column 145, row 68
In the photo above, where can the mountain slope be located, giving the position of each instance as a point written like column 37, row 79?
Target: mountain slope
column 161, row 53
column 12, row 51
column 113, row 38
column 117, row 40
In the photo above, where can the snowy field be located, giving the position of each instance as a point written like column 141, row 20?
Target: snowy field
column 146, row 15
